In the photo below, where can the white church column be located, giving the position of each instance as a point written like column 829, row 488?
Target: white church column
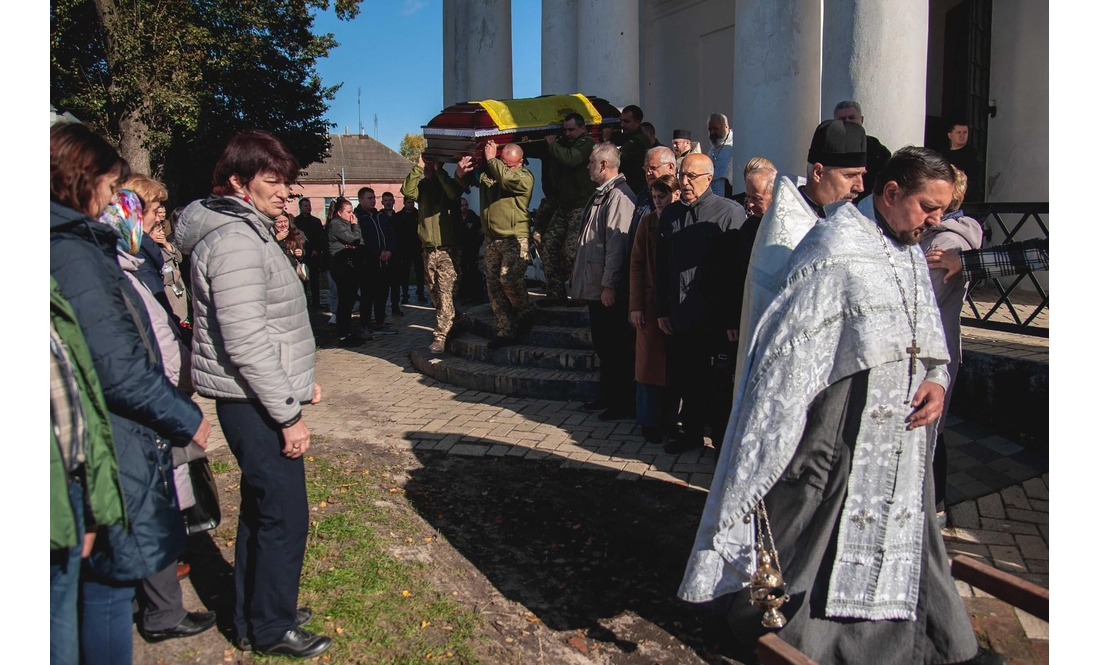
column 607, row 50
column 454, row 52
column 776, row 82
column 559, row 46
column 489, row 49
column 876, row 52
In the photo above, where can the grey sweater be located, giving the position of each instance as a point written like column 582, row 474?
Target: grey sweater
column 252, row 338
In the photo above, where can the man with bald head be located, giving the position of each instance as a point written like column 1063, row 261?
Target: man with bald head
column 505, row 187
column 690, row 230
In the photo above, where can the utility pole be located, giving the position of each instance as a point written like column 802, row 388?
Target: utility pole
column 360, row 110
column 376, row 126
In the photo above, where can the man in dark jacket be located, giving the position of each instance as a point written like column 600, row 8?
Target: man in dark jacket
column 690, row 231
column 408, row 251
column 316, row 249
column 377, row 249
column 469, row 289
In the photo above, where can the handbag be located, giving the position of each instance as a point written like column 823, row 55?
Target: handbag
column 302, row 270
column 199, row 506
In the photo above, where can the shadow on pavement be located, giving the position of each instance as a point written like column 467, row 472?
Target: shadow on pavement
column 575, row 547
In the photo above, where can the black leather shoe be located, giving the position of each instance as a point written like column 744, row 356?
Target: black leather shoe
column 652, row 434
column 396, row 311
column 192, row 624
column 297, row 643
column 683, row 443
column 596, row 405
column 303, row 616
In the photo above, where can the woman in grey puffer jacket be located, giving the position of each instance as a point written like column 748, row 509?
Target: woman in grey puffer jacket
column 252, row 352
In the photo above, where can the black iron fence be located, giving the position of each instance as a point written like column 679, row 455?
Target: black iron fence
column 1009, row 308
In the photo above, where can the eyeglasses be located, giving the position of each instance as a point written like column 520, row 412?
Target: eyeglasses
column 654, row 169
column 690, row 176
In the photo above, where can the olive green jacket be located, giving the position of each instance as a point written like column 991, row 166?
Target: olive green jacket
column 433, row 197
column 569, row 171
column 505, row 196
column 103, row 489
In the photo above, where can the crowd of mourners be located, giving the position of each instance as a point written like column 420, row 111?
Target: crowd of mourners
column 149, row 308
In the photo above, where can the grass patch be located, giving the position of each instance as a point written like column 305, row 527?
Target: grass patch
column 220, row 466
column 376, row 607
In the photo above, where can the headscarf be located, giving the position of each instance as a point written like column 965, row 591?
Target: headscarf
column 123, row 214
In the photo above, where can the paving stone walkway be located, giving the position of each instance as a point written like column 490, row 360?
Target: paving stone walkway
column 373, row 394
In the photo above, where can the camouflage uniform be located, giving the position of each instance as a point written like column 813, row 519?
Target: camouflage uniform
column 541, row 220
column 559, row 249
column 441, row 270
column 505, row 265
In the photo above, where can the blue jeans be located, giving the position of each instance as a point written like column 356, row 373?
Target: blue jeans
column 106, row 636
column 64, row 579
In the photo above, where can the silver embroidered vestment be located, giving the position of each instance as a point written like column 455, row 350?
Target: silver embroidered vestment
column 837, row 312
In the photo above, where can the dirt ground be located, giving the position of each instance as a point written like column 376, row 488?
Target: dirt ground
column 561, row 565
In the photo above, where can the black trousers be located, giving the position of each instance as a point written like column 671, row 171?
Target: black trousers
column 314, row 283
column 346, row 275
column 273, row 523
column 374, row 290
column 401, row 265
column 613, row 337
column 939, row 472
column 700, row 369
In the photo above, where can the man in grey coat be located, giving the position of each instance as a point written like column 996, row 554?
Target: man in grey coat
column 597, row 278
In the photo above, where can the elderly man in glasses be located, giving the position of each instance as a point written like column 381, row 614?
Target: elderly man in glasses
column 698, row 353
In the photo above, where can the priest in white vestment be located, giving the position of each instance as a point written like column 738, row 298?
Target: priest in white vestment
column 831, row 439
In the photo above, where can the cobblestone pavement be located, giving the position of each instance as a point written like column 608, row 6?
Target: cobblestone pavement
column 373, row 394
column 1003, row 343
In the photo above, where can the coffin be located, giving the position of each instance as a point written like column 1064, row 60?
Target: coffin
column 464, row 129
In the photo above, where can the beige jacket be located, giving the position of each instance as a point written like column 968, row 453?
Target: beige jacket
column 601, row 248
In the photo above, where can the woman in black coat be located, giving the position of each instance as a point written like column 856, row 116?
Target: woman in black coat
column 148, row 414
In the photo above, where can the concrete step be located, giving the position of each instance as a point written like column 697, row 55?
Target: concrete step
column 480, row 322
column 562, row 316
column 517, row 381
column 473, row 347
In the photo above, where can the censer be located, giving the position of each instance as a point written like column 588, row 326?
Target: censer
column 767, row 589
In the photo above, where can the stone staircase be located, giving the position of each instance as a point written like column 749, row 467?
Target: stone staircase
column 554, row 361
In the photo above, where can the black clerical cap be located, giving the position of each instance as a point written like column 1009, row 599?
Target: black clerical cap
column 681, row 134
column 839, row 143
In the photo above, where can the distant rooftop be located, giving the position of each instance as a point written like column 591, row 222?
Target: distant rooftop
column 362, row 158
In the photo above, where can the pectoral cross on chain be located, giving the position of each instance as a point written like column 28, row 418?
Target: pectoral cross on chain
column 912, row 351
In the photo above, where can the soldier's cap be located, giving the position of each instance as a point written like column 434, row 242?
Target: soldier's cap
column 681, row 134
column 838, row 143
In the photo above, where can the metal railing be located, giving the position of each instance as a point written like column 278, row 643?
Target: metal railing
column 1010, row 219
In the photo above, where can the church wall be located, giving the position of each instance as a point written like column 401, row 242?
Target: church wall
column 1018, row 167
column 687, row 65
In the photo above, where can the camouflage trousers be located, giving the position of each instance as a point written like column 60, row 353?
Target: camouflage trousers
column 441, row 272
column 559, row 249
column 541, row 219
column 505, row 265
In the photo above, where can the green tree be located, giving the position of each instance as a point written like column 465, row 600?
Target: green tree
column 171, row 82
column 412, row 145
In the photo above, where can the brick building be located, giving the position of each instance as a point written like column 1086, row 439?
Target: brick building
column 354, row 161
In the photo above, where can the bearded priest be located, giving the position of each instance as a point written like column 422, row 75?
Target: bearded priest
column 824, row 477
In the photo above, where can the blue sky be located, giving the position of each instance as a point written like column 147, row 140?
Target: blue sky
column 394, row 51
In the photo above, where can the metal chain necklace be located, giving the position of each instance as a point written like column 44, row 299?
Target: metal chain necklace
column 910, row 314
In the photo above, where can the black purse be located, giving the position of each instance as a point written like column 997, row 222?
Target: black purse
column 204, row 512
